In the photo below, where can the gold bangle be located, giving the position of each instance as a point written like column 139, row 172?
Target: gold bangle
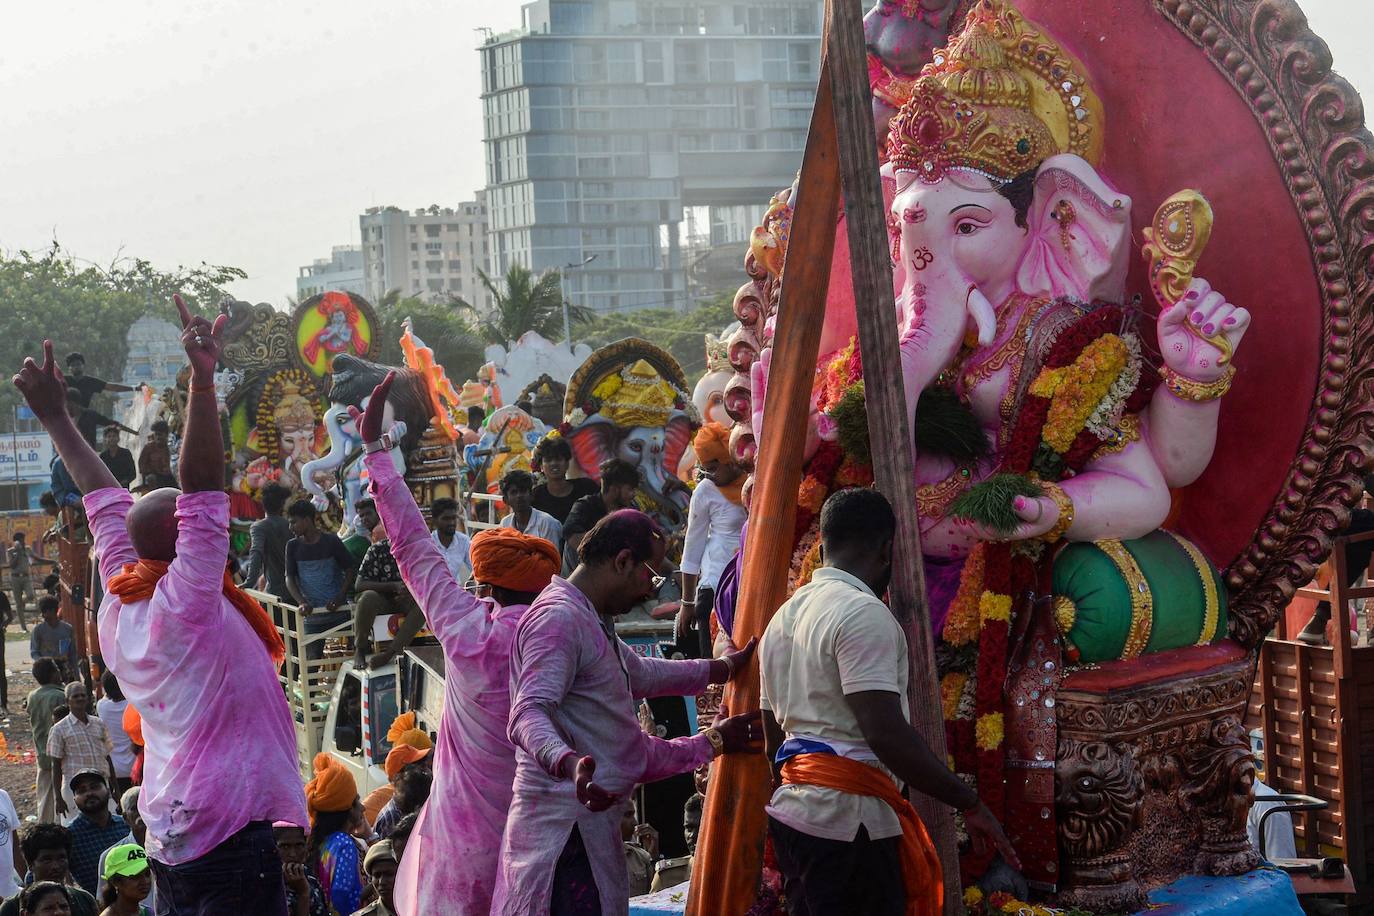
column 1186, row 389
column 717, row 742
column 1065, row 505
column 197, row 389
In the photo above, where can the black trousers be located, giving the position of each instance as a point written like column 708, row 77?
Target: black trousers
column 574, row 890
column 834, row 878
column 706, row 601
column 241, row 875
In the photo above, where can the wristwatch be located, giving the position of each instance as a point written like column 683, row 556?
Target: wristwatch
column 389, row 440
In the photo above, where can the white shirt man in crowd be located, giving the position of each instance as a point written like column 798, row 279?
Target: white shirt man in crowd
column 454, row 544
column 79, row 742
column 833, row 672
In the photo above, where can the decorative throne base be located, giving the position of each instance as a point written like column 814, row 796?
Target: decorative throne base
column 1153, row 774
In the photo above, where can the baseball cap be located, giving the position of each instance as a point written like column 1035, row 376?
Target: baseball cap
column 378, row 851
column 86, row 771
column 127, row 860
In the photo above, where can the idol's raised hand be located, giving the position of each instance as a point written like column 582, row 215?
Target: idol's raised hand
column 43, row 387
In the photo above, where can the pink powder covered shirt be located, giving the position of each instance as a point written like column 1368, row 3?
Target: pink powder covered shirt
column 575, row 687
column 450, row 862
column 221, row 745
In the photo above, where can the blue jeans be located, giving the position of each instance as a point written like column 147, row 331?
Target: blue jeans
column 241, row 875
column 320, row 621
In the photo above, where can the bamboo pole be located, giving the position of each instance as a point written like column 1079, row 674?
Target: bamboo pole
column 889, row 427
column 840, row 142
column 729, row 858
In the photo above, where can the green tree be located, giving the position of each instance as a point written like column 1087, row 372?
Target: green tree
column 89, row 307
column 680, row 333
column 443, row 328
column 523, row 302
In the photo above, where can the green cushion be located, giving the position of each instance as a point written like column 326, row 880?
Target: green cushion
column 1179, row 598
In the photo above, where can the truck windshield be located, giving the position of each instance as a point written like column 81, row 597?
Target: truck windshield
column 382, row 701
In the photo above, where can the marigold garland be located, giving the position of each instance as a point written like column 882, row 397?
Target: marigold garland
column 1076, row 391
column 990, row 731
column 962, row 621
column 811, row 495
column 993, row 607
column 951, row 689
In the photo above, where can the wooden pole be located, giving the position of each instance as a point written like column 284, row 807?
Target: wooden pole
column 729, row 858
column 889, row 427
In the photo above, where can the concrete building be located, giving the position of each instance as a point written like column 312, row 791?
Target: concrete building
column 343, row 271
column 606, row 120
column 429, row 253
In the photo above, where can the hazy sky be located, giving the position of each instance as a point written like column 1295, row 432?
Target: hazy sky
column 253, row 133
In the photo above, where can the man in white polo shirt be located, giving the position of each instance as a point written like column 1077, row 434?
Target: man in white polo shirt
column 833, row 666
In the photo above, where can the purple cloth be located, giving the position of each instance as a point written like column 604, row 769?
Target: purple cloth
column 942, row 584
column 450, row 862
column 221, row 744
column 727, row 590
column 574, row 690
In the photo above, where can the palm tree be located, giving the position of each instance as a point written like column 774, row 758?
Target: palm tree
column 526, row 303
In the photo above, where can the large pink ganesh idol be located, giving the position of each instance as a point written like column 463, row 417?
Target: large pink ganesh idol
column 1053, row 415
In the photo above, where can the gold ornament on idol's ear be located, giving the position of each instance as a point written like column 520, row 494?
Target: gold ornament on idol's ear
column 1173, row 245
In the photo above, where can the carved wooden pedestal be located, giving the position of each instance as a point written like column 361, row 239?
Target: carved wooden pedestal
column 432, row 469
column 1153, row 775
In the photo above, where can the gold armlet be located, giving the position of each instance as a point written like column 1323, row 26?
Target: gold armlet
column 1186, row 389
column 1065, row 505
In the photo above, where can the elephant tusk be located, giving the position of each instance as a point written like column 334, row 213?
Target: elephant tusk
column 984, row 316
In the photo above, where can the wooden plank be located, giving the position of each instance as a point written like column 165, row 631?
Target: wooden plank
column 1305, row 731
column 889, row 426
column 1356, row 827
column 1269, row 723
column 730, row 853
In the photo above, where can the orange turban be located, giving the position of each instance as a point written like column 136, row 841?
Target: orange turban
column 712, row 443
column 133, row 725
column 404, row 731
column 403, row 755
column 332, row 789
column 509, row 559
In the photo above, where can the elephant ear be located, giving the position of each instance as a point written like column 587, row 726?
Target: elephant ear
column 592, row 443
column 1080, row 232
column 677, row 435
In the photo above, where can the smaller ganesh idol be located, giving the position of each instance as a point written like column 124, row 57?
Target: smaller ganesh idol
column 345, row 330
column 286, row 435
column 506, row 444
column 629, row 401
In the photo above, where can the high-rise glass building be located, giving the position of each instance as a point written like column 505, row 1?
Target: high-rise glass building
column 606, row 120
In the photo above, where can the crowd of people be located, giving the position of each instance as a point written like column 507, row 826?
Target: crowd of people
column 146, row 801
column 179, row 791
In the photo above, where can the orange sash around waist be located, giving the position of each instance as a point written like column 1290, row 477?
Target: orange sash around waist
column 921, row 871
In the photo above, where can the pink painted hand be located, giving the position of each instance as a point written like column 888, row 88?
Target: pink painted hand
column 43, row 387
column 592, row 796
column 369, row 421
column 202, row 340
column 1038, row 515
column 1186, row 349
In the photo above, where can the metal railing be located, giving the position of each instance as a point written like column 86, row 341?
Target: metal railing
column 307, row 682
column 485, row 512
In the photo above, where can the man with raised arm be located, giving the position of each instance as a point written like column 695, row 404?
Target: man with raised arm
column 450, row 862
column 574, row 690
column 193, row 653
